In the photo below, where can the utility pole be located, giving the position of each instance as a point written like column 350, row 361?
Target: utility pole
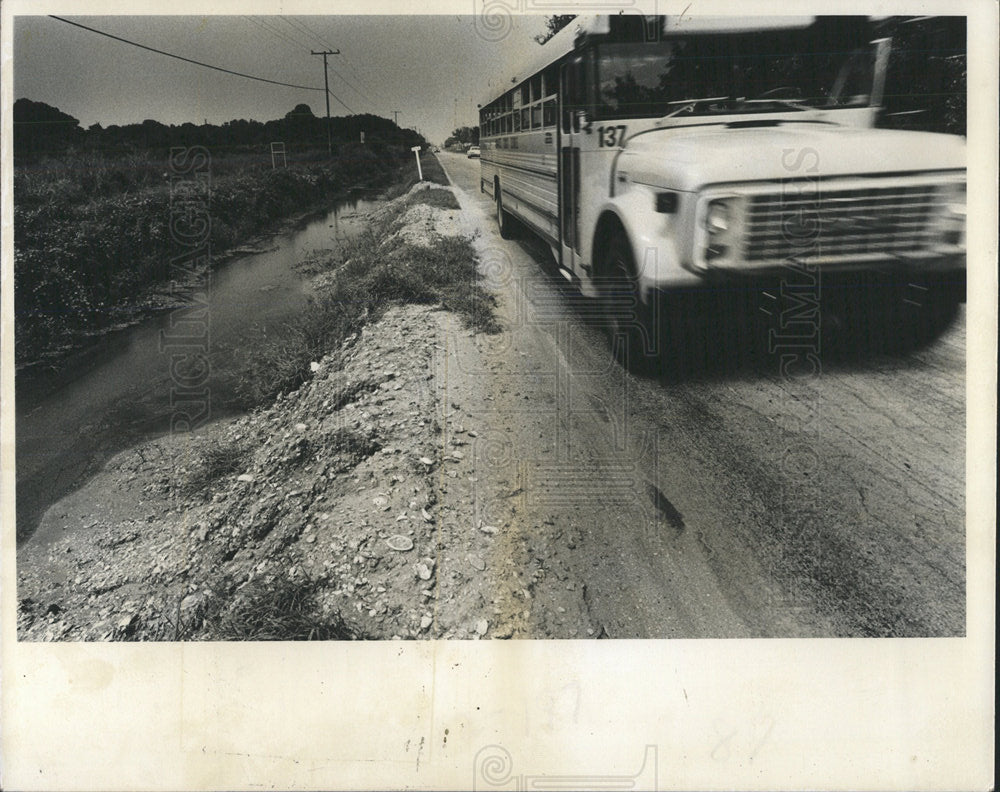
column 395, row 117
column 326, row 85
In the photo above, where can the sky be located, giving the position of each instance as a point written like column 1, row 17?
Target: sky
column 433, row 69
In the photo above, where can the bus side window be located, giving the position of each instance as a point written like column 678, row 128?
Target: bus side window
column 564, row 91
column 571, row 93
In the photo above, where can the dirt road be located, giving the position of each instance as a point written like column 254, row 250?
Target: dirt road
column 733, row 501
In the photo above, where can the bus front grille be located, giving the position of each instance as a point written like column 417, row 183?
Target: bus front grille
column 837, row 224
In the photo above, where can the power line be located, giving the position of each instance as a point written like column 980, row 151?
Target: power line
column 268, row 27
column 349, row 110
column 364, row 92
column 321, row 38
column 263, row 25
column 297, row 24
column 378, row 94
column 270, row 24
column 187, row 60
column 351, row 86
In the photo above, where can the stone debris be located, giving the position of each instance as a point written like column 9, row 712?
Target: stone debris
column 400, row 543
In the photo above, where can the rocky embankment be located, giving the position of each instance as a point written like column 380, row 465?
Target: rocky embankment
column 347, row 509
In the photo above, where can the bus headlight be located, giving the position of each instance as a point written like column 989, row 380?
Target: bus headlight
column 722, row 224
column 950, row 216
column 717, row 218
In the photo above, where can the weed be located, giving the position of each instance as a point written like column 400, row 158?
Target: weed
column 215, row 461
column 284, row 610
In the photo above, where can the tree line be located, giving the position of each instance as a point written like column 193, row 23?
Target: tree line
column 41, row 129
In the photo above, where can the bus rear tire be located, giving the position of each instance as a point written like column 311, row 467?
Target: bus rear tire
column 504, row 220
column 632, row 324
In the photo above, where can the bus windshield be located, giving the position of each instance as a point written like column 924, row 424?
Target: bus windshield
column 729, row 73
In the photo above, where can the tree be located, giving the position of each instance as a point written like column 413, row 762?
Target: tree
column 300, row 110
column 39, row 127
column 467, row 136
column 553, row 25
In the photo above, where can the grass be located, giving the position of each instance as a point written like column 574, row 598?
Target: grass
column 216, row 460
column 368, row 281
column 94, row 233
column 432, row 171
column 285, row 610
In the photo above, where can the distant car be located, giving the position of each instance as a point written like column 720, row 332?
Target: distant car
column 473, row 152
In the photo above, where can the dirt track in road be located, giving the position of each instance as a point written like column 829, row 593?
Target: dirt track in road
column 725, row 503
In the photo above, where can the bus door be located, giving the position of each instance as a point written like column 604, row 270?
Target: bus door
column 570, row 108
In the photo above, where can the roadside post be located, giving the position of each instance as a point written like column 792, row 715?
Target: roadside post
column 420, row 171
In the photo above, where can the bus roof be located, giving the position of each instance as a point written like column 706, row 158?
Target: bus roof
column 565, row 41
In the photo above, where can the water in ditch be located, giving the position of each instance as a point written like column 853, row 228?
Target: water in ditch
column 118, row 391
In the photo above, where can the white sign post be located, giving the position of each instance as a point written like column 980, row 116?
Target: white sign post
column 420, row 171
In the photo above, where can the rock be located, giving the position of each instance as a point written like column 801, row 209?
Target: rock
column 482, row 626
column 126, row 625
column 488, row 529
column 245, row 477
column 503, row 631
column 300, row 427
column 424, row 571
column 193, row 604
column 477, row 563
column 426, row 461
column 425, row 622
column 400, row 543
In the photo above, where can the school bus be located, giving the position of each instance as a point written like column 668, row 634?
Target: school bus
column 666, row 156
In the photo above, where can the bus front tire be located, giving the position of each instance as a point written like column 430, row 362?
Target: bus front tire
column 504, row 220
column 631, row 323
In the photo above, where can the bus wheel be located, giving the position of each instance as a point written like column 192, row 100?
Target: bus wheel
column 504, row 220
column 631, row 323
